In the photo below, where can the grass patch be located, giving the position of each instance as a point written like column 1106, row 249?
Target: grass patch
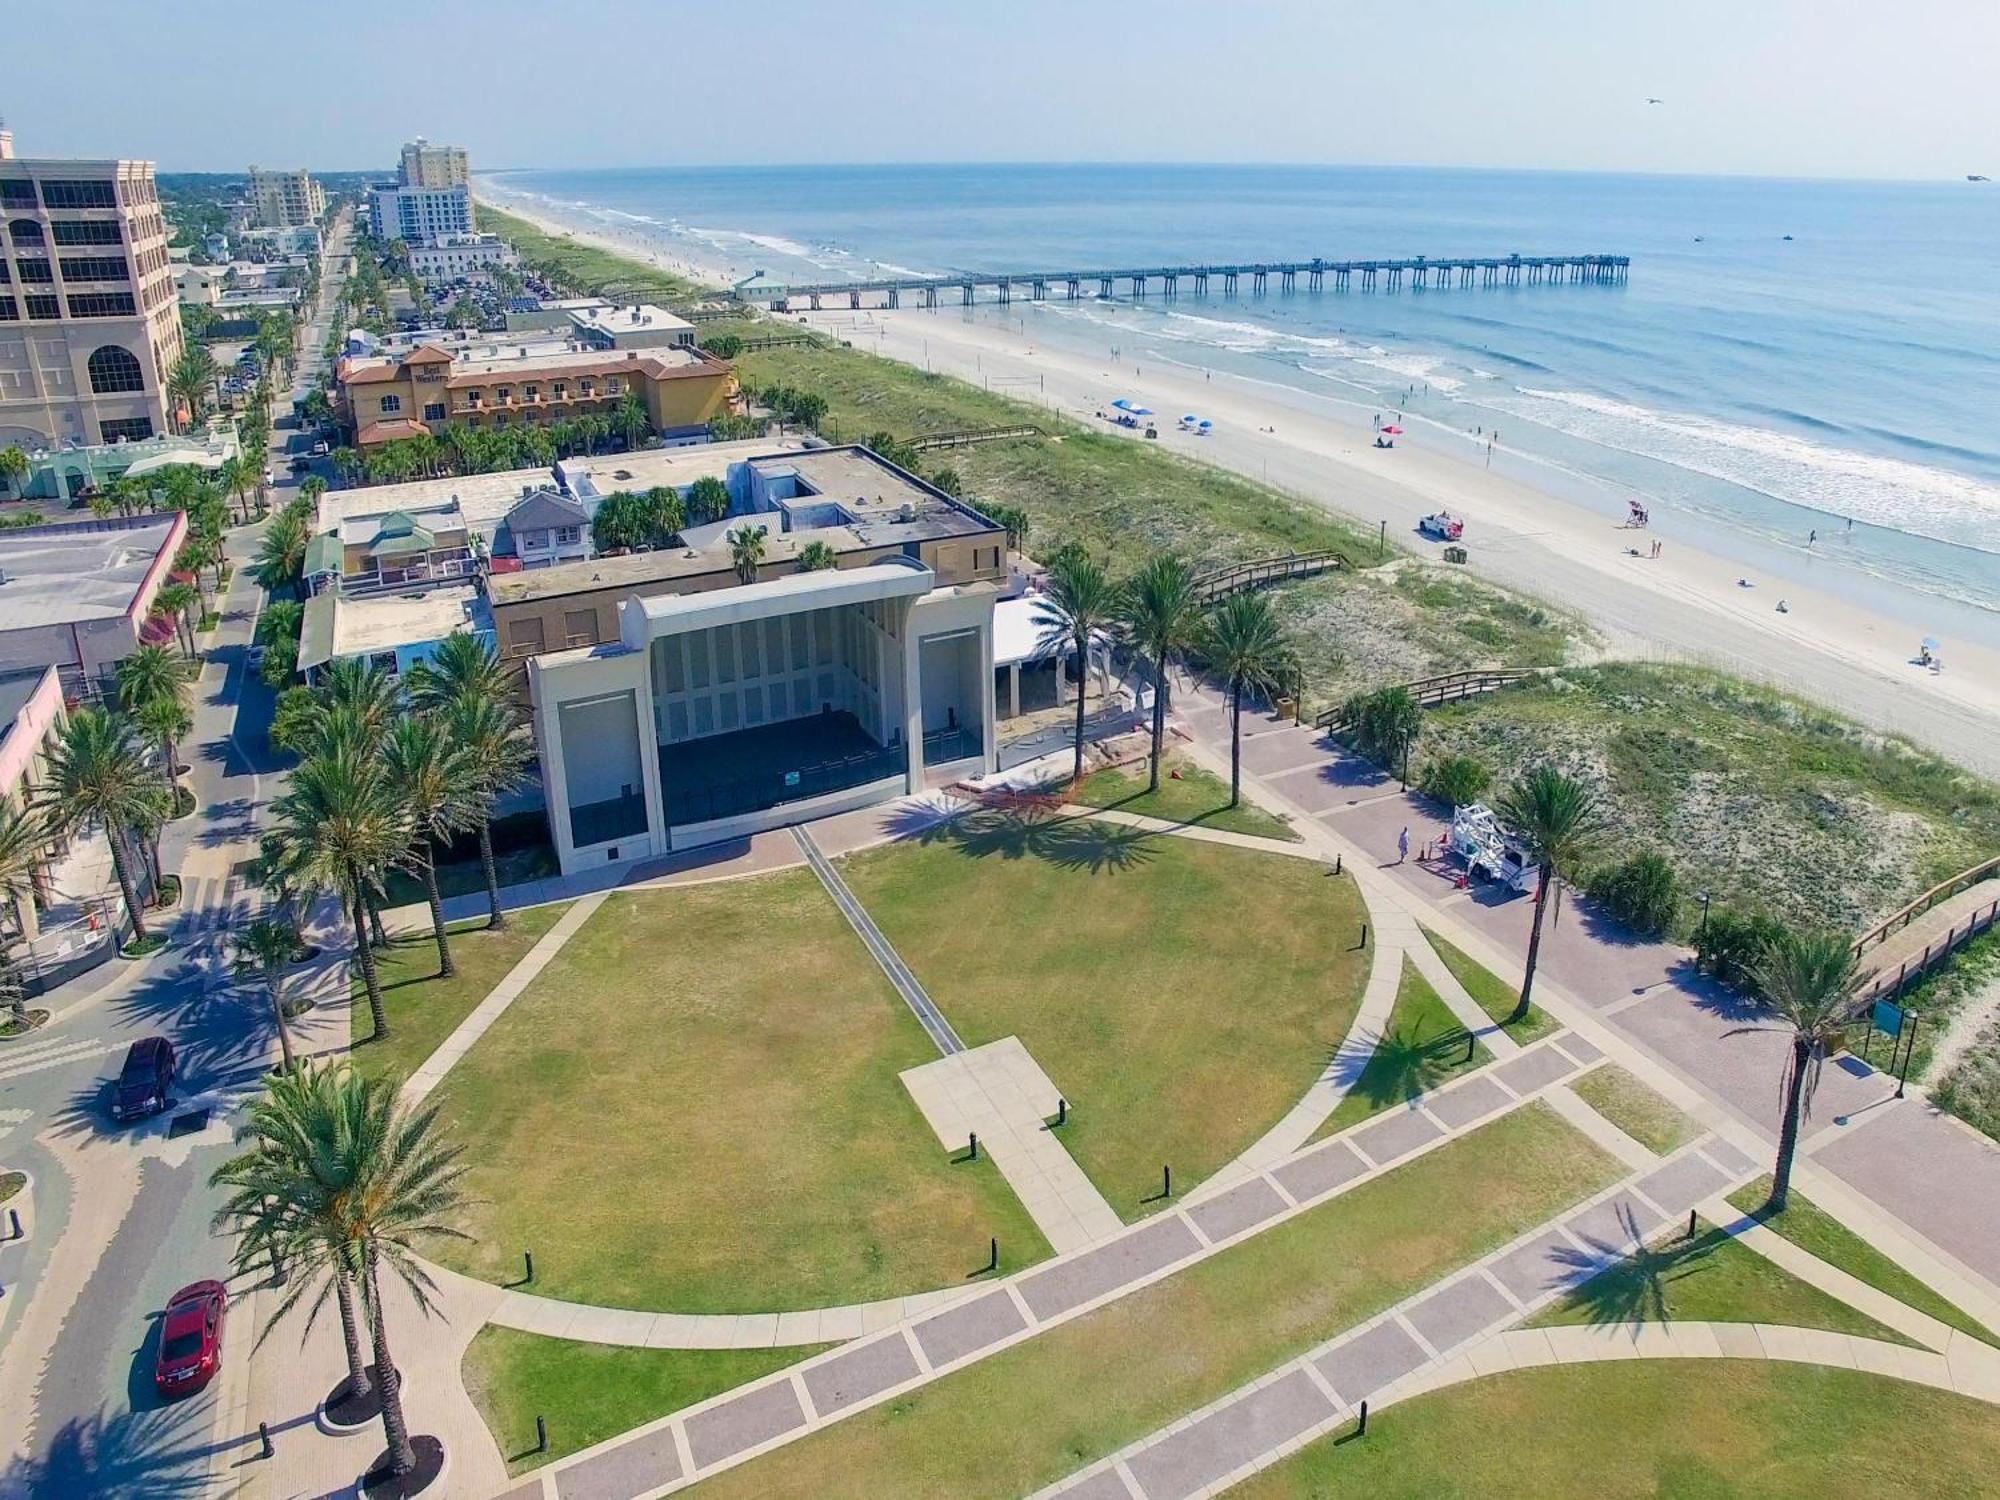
column 1188, row 794
column 1182, row 995
column 596, row 271
column 1762, row 799
column 12, row 1025
column 695, row 1107
column 144, row 947
column 1491, row 993
column 11, row 1183
column 1818, row 1232
column 590, row 1392
column 1032, row 1413
column 1711, row 1278
column 1971, row 1089
column 1629, row 1429
column 1635, row 1109
column 422, row 1009
column 1423, row 1048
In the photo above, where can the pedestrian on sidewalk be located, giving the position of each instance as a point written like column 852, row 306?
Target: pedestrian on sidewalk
column 1402, row 846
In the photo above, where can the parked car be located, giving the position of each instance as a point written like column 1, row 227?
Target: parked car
column 319, row 450
column 191, row 1338
column 146, row 1079
column 256, row 659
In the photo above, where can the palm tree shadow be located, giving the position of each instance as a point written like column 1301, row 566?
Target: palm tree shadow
column 1622, row 1290
column 1406, row 1065
column 155, row 1454
column 1065, row 841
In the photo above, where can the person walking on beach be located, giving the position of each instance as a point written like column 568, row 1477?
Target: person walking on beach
column 1812, row 536
column 1402, row 846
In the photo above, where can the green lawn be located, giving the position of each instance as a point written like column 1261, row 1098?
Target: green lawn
column 1490, row 992
column 1187, row 794
column 1034, row 1412
column 1815, row 1230
column 11, row 1183
column 1635, row 1109
column 598, row 271
column 589, row 1392
column 1182, row 995
column 1711, row 1278
column 1423, row 1048
column 1643, row 1428
column 696, row 1108
column 423, row 1010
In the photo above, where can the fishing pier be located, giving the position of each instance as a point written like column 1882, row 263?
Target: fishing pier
column 1419, row 274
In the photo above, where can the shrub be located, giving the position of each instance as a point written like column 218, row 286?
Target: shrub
column 1454, row 779
column 1384, row 724
column 1640, row 892
column 1731, row 944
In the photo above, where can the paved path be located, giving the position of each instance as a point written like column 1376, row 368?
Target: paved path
column 1954, row 920
column 1000, row 1094
column 913, row 993
column 676, row 1450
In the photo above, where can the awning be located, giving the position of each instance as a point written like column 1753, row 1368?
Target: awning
column 324, row 554
column 316, row 631
column 648, row 619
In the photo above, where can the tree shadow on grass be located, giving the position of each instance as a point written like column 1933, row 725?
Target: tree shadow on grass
column 1635, row 1288
column 1067, row 842
column 1407, row 1065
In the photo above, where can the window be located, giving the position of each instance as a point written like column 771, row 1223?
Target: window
column 102, row 305
column 391, row 404
column 613, row 386
column 434, row 411
column 584, row 387
column 524, row 637
column 504, row 393
column 127, row 429
column 95, row 268
column 66, row 194
column 472, row 399
column 37, row 271
column 46, row 308
column 89, row 232
column 17, row 192
column 560, row 387
column 115, row 368
column 10, row 311
column 580, row 627
column 25, row 232
column 566, row 536
column 529, row 391
column 5, row 274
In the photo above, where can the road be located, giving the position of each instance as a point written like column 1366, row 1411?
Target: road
column 122, row 1216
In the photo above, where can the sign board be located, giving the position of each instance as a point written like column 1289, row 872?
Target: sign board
column 1888, row 1018
column 792, row 779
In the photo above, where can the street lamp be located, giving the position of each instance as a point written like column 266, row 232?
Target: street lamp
column 1702, row 897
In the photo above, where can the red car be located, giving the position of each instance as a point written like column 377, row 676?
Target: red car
column 191, row 1338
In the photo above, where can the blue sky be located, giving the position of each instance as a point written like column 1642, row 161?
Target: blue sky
column 1827, row 88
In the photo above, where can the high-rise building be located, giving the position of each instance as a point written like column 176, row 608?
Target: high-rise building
column 428, row 166
column 286, row 199
column 420, row 215
column 89, row 324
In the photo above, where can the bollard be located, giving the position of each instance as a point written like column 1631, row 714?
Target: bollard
column 264, row 1435
column 1364, row 936
column 1339, row 861
column 1690, row 1233
column 541, row 1435
column 974, row 1154
column 1062, row 1110
column 14, row 1229
column 993, row 1254
column 528, row 1256
column 1361, row 1428
column 1471, row 1046
column 1166, row 1182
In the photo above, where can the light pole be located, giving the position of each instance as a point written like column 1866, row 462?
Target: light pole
column 1702, row 897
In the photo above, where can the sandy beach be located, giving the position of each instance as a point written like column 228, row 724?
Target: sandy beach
column 1573, row 550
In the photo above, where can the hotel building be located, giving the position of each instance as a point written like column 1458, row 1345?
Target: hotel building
column 426, row 166
column 284, row 200
column 89, row 322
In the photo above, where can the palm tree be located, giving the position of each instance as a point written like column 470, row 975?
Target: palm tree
column 1813, row 982
column 167, row 722
column 817, row 557
column 707, row 500
column 631, row 419
column 343, row 826
column 467, row 683
column 98, row 777
column 746, row 551
column 1162, row 618
column 192, row 379
column 273, row 946
column 310, row 489
column 281, row 552
column 283, row 1198
column 349, row 464
column 235, row 476
column 178, row 600
column 1560, row 824
column 24, row 841
column 1244, row 645
column 1079, row 602
column 148, row 673
column 438, row 784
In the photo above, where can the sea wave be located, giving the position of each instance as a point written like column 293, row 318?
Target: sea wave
column 1840, row 482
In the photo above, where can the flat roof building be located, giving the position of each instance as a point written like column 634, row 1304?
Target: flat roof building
column 421, row 215
column 78, row 597
column 89, row 322
column 392, row 630
column 642, row 326
column 424, row 165
column 284, row 200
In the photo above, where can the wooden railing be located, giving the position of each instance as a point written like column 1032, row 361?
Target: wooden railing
column 971, row 435
column 1944, row 890
column 1448, row 688
column 1236, row 577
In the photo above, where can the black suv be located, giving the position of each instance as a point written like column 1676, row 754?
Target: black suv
column 143, row 1082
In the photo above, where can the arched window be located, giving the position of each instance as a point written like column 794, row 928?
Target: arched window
column 115, row 368
column 25, row 232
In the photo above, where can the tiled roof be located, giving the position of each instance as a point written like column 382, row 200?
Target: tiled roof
column 388, row 430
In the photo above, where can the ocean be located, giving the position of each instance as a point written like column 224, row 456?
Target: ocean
column 1788, row 357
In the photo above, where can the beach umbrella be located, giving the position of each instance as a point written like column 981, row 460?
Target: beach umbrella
column 1932, row 643
column 1140, row 411
column 1190, row 418
column 1393, row 430
column 1122, row 404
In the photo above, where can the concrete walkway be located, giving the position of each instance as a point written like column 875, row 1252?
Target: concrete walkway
column 999, row 1093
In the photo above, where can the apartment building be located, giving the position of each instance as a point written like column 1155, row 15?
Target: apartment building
column 460, row 258
column 429, row 388
column 421, row 215
column 89, row 321
column 426, row 166
column 284, row 200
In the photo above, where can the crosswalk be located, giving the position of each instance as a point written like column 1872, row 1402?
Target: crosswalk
column 20, row 1059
